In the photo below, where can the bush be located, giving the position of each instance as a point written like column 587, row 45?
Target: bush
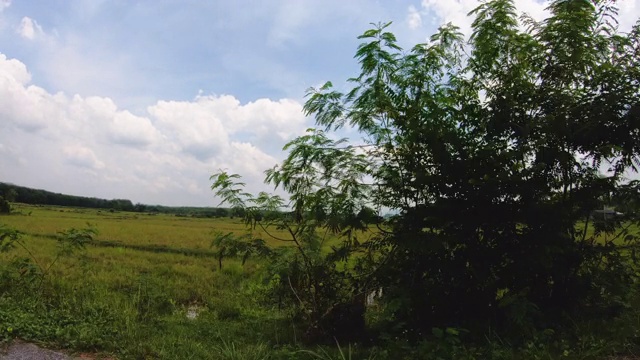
column 5, row 207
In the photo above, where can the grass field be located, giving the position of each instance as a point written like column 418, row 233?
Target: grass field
column 129, row 293
column 134, row 291
column 129, row 228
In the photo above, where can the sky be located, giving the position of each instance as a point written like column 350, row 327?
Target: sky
column 145, row 99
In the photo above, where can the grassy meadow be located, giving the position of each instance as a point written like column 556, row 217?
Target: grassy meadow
column 130, row 291
column 148, row 286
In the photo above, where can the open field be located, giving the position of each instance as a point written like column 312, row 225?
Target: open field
column 148, row 287
column 138, row 229
column 134, row 302
column 130, row 291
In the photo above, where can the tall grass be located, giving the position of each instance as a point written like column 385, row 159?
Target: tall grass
column 129, row 292
column 127, row 301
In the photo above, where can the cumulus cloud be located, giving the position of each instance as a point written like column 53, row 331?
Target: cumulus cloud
column 82, row 156
column 204, row 127
column 29, row 28
column 196, row 129
column 128, row 129
column 247, row 159
column 13, row 70
column 163, row 156
column 281, row 119
column 22, row 105
column 86, row 115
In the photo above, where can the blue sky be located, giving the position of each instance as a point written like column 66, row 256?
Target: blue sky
column 141, row 51
column 145, row 99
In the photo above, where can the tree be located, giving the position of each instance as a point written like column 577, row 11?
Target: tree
column 11, row 195
column 220, row 212
column 229, row 246
column 317, row 284
column 493, row 153
column 5, row 207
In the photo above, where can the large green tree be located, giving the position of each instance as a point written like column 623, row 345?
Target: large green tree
column 494, row 152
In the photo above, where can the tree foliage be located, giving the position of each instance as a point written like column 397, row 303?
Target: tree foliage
column 27, row 195
column 494, row 152
column 302, row 275
column 5, row 206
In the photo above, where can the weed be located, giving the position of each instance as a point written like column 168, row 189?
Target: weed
column 339, row 353
column 230, row 351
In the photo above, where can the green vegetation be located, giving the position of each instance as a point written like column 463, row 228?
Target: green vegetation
column 25, row 195
column 133, row 303
column 5, row 206
column 116, row 299
column 502, row 158
column 36, row 196
column 499, row 155
column 77, row 289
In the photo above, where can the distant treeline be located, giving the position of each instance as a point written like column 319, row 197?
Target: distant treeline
column 21, row 194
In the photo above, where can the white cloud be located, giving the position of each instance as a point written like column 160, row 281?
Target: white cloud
column 270, row 120
column 164, row 156
column 25, row 106
column 628, row 13
column 82, row 156
column 203, row 127
column 197, row 130
column 248, row 160
column 13, row 70
column 128, row 129
column 101, row 115
column 29, row 28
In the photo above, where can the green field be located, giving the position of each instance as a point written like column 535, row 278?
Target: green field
column 148, row 286
column 129, row 293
